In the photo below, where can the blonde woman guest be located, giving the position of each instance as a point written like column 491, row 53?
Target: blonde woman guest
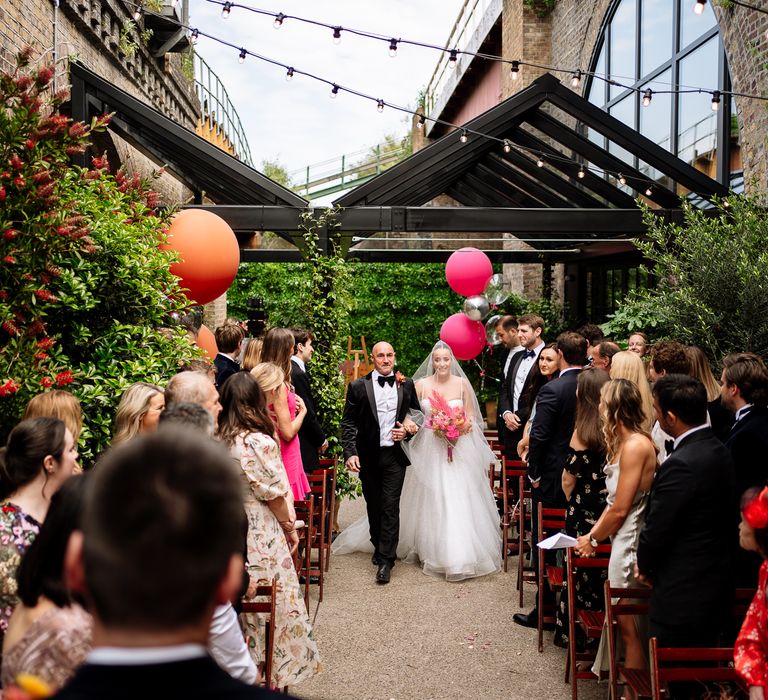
column 631, row 465
column 57, row 404
column 138, row 411
column 246, row 427
column 38, row 458
column 286, row 408
column 720, row 417
column 628, row 365
column 638, row 343
column 252, row 354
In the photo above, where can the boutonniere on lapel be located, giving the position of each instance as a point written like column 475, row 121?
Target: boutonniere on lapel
column 400, row 378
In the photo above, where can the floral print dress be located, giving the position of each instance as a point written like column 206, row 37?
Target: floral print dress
column 750, row 653
column 585, row 507
column 17, row 531
column 296, row 657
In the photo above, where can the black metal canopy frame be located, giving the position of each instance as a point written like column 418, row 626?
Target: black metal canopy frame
column 559, row 213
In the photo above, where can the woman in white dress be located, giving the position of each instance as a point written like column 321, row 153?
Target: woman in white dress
column 449, row 522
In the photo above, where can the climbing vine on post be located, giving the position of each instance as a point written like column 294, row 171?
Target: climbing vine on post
column 328, row 318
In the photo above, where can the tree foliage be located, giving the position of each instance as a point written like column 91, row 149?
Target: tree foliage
column 84, row 288
column 712, row 280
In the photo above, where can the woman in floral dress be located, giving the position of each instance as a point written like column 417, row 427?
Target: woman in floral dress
column 39, row 456
column 246, row 427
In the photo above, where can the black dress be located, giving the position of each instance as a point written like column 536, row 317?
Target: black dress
column 582, row 511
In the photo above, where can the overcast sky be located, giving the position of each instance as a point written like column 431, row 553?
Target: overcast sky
column 296, row 123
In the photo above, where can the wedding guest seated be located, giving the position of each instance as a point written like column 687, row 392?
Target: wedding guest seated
column 60, row 404
column 720, row 419
column 155, row 556
column 138, row 411
column 604, row 355
column 194, row 387
column 38, row 458
column 229, row 339
column 638, row 343
column 684, row 550
column 49, row 633
column 750, row 653
column 667, row 357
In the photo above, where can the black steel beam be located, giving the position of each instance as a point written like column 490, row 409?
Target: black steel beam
column 419, row 256
column 498, row 192
column 506, row 173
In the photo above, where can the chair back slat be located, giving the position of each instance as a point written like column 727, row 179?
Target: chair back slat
column 264, row 602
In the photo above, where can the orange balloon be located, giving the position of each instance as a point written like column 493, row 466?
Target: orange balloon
column 208, row 254
column 207, row 342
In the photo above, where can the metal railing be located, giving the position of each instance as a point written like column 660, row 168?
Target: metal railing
column 218, row 110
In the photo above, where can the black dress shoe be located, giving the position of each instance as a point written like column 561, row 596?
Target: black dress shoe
column 382, row 573
column 531, row 620
column 374, row 559
column 313, row 580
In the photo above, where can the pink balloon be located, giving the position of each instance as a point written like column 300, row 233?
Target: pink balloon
column 468, row 271
column 466, row 337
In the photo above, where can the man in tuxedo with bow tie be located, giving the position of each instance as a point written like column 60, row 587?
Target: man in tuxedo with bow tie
column 373, row 428
column 744, row 392
column 514, row 408
column 506, row 332
column 311, row 436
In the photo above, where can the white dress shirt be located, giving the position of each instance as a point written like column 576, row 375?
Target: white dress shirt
column 299, row 362
column 386, row 408
column 227, row 645
column 513, row 351
column 523, row 368
column 687, row 433
column 743, row 411
column 142, row 656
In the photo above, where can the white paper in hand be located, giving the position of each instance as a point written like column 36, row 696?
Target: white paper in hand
column 558, row 541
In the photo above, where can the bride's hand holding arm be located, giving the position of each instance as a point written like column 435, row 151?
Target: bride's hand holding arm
column 288, row 428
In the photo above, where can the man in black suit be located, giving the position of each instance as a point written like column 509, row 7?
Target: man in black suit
column 229, row 339
column 550, row 437
column 513, row 406
column 154, row 558
column 311, row 436
column 684, row 550
column 744, row 392
column 506, row 332
column 372, row 428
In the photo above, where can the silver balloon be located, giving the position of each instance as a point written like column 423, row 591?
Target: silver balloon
column 490, row 330
column 496, row 292
column 476, row 307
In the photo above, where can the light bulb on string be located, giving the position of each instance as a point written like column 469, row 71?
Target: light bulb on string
column 241, row 57
column 336, row 35
column 507, row 146
column 649, row 191
column 138, row 12
column 194, row 36
column 174, row 3
column 716, row 100
column 581, row 172
column 515, row 70
column 226, row 10
column 421, row 122
column 289, row 74
column 464, row 136
column 647, row 97
column 622, row 179
column 540, row 161
column 576, row 79
column 379, row 106
column 279, row 17
column 452, row 58
column 334, row 91
column 393, row 48
column 698, row 7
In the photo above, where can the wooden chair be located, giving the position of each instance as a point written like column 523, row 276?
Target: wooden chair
column 305, row 511
column 704, row 664
column 526, row 573
column 551, row 521
column 618, row 602
column 511, row 473
column 265, row 606
column 590, row 621
column 318, row 484
column 328, row 465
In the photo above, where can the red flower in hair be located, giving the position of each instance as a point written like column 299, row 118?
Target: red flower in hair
column 756, row 511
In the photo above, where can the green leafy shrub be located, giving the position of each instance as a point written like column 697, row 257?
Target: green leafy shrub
column 85, row 292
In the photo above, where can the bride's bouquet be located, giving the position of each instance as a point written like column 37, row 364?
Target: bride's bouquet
column 449, row 423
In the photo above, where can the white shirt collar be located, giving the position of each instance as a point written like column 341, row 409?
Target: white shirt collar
column 687, row 433
column 137, row 656
column 299, row 362
column 746, row 408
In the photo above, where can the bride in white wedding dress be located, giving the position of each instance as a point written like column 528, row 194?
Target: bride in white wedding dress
column 449, row 522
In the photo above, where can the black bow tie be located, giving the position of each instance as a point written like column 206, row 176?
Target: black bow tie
column 529, row 353
column 386, row 380
column 669, row 446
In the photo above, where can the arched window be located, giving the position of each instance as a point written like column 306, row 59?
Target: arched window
column 660, row 45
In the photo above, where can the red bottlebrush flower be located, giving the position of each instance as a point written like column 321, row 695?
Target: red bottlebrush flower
column 136, row 182
column 42, row 177
column 2, row 194
column 41, row 356
column 45, row 295
column 82, row 232
column 27, row 277
column 92, row 175
column 10, row 233
column 10, row 328
column 103, row 120
column 64, row 378
column 3, row 295
column 153, row 199
column 46, row 190
column 19, row 182
column 36, row 328
column 89, row 248
column 45, row 343
column 23, row 82
column 44, row 76
column 74, row 220
column 64, row 230
column 78, row 129
column 8, row 388
column 30, row 144
column 5, row 174
column 74, row 150
column 46, row 382
column 9, row 260
column 15, row 162
column 61, row 95
column 53, row 270
column 45, row 278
